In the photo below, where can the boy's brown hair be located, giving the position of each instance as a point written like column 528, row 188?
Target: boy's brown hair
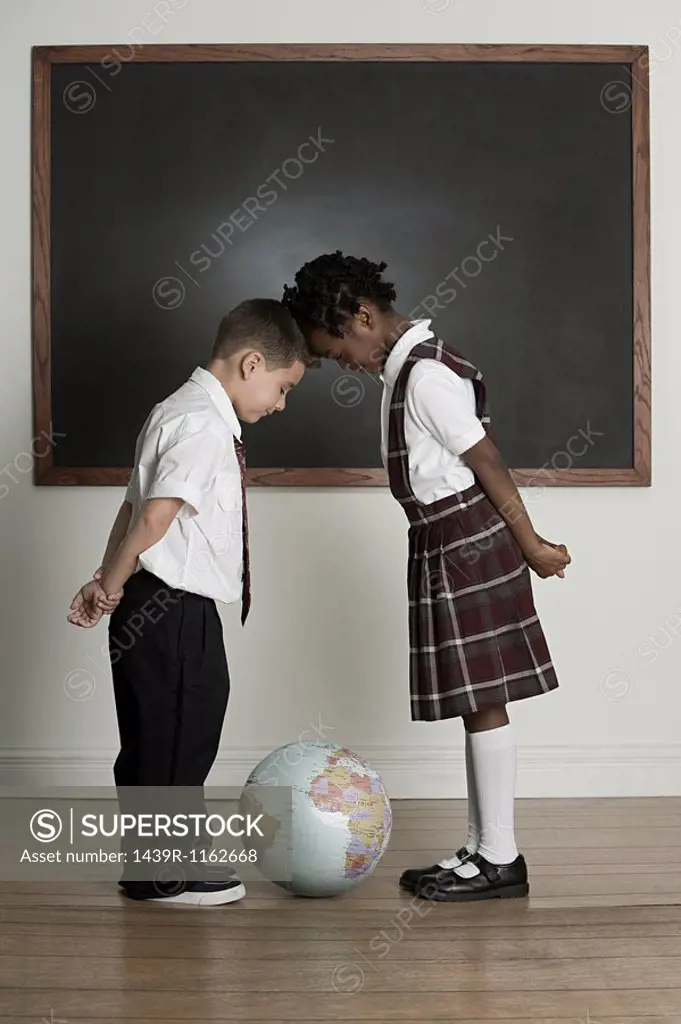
column 266, row 326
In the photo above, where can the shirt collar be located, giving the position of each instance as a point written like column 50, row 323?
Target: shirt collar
column 214, row 389
column 418, row 332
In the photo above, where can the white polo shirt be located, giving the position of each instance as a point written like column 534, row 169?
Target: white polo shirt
column 186, row 450
column 440, row 423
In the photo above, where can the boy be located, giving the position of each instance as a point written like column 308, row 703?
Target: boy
column 475, row 640
column 179, row 544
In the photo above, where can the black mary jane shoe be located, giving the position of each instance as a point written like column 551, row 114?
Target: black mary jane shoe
column 505, row 881
column 411, row 878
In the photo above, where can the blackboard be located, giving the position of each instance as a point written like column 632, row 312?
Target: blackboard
column 506, row 188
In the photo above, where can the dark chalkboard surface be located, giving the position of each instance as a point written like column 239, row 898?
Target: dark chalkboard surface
column 500, row 193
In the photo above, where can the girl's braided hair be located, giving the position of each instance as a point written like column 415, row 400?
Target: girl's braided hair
column 328, row 290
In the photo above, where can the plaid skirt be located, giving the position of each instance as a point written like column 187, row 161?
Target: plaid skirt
column 474, row 635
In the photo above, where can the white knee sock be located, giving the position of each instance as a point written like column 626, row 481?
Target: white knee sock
column 495, row 765
column 493, row 756
column 474, row 828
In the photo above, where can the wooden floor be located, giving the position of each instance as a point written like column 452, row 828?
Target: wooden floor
column 598, row 941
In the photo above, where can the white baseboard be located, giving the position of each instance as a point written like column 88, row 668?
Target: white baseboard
column 415, row 772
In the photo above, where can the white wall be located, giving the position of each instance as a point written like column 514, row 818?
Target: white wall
column 327, row 637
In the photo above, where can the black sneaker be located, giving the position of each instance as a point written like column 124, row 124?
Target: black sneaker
column 197, row 894
column 411, row 878
column 495, row 881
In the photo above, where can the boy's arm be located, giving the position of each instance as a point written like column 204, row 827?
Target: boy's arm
column 186, row 472
column 151, row 525
column 118, row 532
column 103, row 593
column 90, row 601
column 546, row 559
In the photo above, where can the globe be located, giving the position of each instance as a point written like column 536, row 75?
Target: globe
column 338, row 818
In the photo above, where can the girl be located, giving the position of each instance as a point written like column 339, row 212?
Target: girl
column 475, row 639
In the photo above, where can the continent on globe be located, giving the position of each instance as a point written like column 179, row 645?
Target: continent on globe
column 359, row 796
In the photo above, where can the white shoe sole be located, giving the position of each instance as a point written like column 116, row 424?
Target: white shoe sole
column 203, row 899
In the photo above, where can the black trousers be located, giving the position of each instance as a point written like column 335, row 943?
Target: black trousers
column 171, row 687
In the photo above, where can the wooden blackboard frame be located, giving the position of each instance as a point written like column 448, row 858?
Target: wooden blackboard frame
column 634, row 58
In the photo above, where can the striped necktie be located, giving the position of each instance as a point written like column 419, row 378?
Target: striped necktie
column 240, row 450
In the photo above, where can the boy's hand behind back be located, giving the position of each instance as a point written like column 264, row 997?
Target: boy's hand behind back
column 107, row 603
column 547, row 559
column 89, row 604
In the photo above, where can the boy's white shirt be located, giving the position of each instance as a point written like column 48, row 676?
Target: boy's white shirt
column 186, row 450
column 440, row 423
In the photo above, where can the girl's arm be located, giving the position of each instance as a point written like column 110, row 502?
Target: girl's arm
column 545, row 558
column 441, row 400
